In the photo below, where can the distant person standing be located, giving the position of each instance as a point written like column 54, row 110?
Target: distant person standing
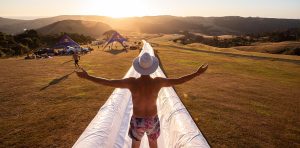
column 76, row 58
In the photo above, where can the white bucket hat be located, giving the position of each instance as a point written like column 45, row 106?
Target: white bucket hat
column 145, row 64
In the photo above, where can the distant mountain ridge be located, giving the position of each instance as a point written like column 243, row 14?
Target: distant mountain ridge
column 90, row 28
column 165, row 24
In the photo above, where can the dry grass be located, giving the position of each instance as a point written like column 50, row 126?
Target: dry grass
column 220, row 36
column 166, row 40
column 238, row 102
column 270, row 47
column 57, row 115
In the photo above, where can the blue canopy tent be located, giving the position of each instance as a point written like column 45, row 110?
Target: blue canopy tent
column 116, row 37
column 65, row 41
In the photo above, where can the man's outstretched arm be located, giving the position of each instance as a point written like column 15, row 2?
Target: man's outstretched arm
column 122, row 83
column 166, row 82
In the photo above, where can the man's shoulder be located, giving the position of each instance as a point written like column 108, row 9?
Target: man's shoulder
column 130, row 80
column 159, row 80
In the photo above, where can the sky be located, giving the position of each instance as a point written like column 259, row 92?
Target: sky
column 29, row 9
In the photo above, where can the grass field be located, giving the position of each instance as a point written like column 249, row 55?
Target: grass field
column 287, row 47
column 238, row 102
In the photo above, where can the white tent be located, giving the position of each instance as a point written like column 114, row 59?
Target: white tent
column 110, row 126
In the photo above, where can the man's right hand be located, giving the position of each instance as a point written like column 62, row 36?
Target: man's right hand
column 202, row 69
column 82, row 73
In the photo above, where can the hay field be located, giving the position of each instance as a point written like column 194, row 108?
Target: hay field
column 287, row 47
column 238, row 102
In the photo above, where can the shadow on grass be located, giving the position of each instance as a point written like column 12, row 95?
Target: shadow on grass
column 56, row 81
column 67, row 62
column 115, row 52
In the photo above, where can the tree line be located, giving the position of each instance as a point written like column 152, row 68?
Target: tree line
column 242, row 40
column 31, row 40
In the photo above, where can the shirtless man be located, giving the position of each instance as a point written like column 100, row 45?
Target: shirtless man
column 144, row 91
column 76, row 58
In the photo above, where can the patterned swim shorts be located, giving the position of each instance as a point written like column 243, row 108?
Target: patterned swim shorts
column 138, row 126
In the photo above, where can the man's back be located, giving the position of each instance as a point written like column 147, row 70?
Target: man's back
column 144, row 91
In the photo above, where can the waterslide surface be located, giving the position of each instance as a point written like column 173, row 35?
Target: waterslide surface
column 110, row 126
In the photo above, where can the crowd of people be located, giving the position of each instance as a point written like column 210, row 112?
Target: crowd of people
column 49, row 53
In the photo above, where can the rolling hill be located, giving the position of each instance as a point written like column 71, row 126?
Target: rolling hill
column 7, row 21
column 165, row 24
column 14, row 26
column 288, row 48
column 91, row 28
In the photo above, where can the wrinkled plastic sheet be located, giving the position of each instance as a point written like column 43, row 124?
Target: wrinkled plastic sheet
column 110, row 126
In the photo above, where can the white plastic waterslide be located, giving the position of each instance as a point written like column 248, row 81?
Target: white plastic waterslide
column 109, row 128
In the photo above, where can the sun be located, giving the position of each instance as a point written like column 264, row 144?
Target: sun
column 121, row 8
